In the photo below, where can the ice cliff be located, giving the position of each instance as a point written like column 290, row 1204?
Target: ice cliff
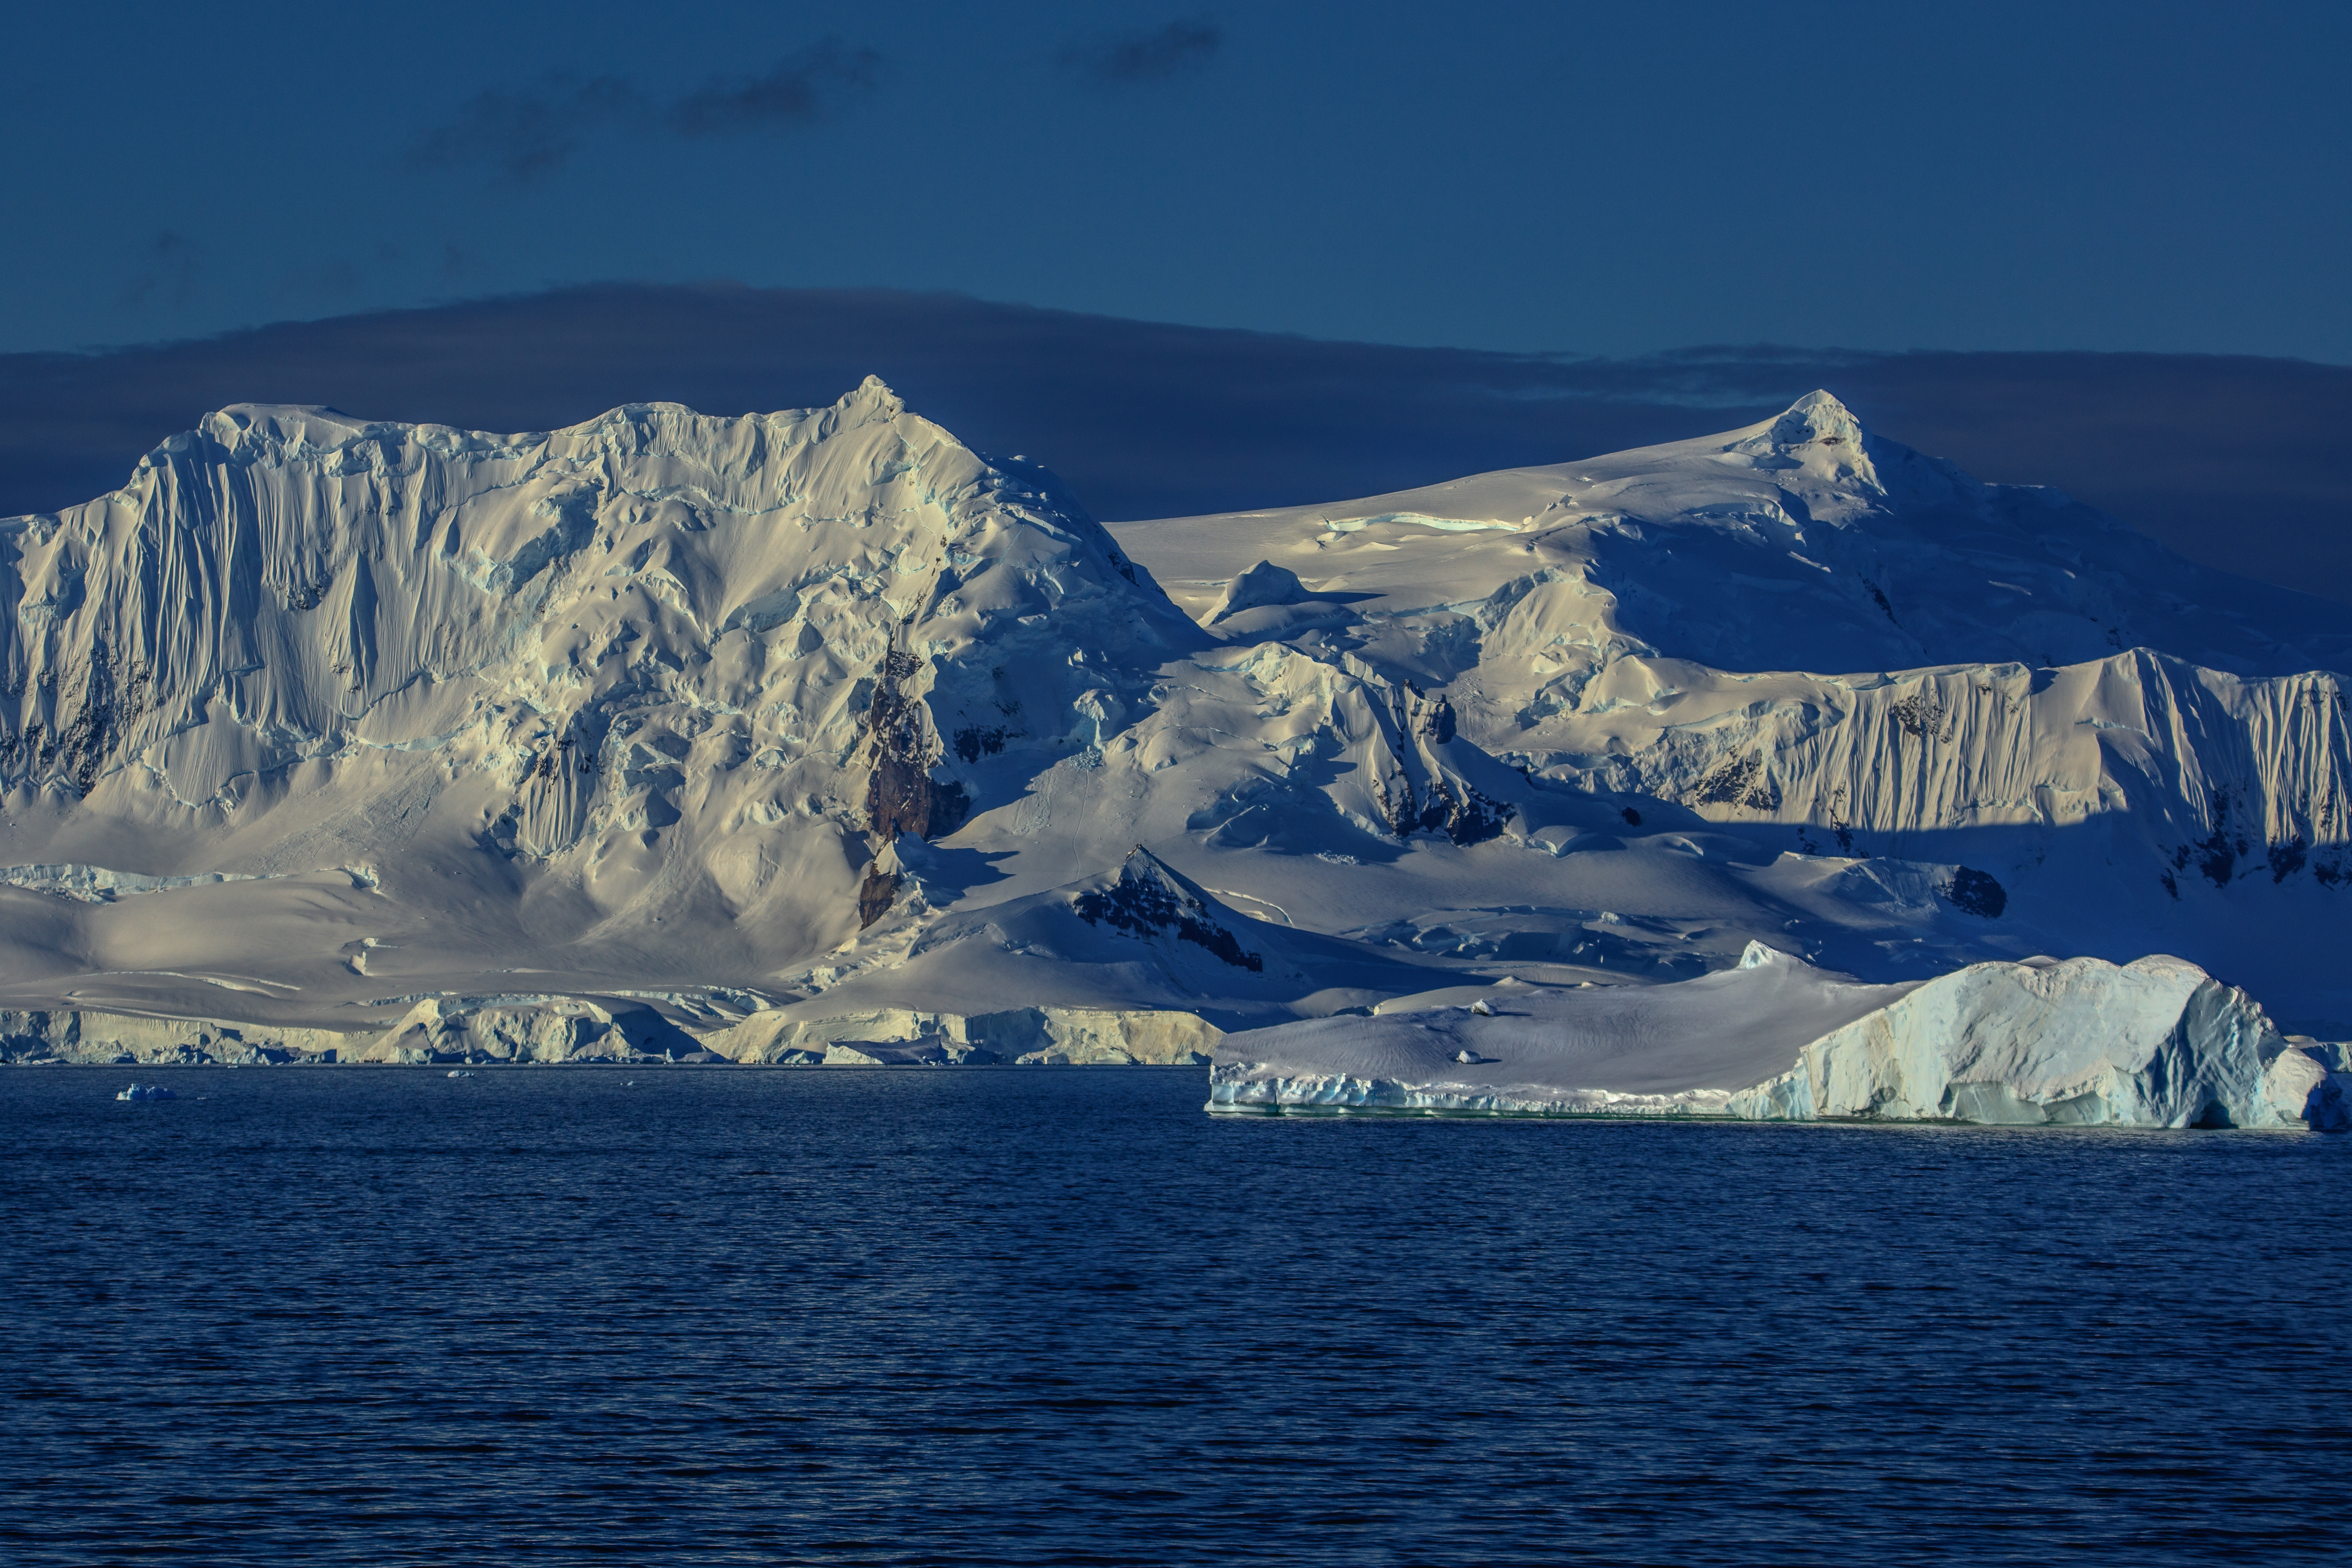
column 2155, row 1043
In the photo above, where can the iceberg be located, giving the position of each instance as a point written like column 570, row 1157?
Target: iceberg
column 2154, row 1043
column 147, row 1091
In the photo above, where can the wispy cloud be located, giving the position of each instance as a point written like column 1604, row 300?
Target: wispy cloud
column 168, row 268
column 341, row 276
column 1139, row 59
column 527, row 131
column 800, row 89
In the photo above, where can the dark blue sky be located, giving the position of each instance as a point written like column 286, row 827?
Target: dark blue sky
column 1610, row 179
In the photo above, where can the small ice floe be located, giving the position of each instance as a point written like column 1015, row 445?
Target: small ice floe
column 147, row 1091
column 456, row 1074
column 1469, row 1057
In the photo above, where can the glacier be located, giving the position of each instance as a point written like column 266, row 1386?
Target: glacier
column 816, row 736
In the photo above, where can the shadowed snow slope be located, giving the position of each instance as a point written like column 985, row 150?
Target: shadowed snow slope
column 822, row 715
column 1645, row 1048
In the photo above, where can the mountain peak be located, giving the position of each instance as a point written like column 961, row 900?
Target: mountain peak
column 1818, row 417
column 1818, row 435
column 872, row 397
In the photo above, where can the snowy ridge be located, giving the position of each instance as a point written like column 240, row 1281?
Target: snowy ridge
column 2126, row 752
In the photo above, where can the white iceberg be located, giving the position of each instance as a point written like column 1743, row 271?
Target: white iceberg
column 2154, row 1043
column 147, row 1091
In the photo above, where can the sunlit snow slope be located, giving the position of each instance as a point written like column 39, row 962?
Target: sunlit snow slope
column 1837, row 672
column 820, row 722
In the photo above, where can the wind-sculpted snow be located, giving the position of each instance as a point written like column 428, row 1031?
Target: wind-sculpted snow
column 695, row 662
column 2156, row 1043
column 835, row 733
column 284, row 585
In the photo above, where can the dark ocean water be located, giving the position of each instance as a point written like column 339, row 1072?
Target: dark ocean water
column 1031, row 1316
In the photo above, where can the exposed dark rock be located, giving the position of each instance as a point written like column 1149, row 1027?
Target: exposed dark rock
column 1147, row 908
column 974, row 742
column 2217, row 856
column 1472, row 819
column 2216, row 860
column 1469, row 818
column 899, row 791
column 1974, row 892
column 951, row 803
column 1738, row 780
column 2287, row 859
column 85, row 727
column 1923, row 714
column 1633, row 818
column 874, row 895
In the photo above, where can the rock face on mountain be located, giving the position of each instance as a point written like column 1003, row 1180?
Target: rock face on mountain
column 819, row 728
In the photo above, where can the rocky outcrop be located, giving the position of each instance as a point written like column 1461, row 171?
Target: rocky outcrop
column 901, row 796
column 1148, row 900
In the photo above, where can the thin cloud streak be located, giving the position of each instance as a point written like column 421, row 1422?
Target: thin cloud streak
column 533, row 131
column 169, row 267
column 2236, row 461
column 530, row 131
column 1139, row 59
column 801, row 89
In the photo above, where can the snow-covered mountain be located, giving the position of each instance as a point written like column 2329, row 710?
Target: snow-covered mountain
column 1845, row 677
column 819, row 726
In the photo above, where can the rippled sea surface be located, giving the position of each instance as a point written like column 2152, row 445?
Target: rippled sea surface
column 1039, row 1316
